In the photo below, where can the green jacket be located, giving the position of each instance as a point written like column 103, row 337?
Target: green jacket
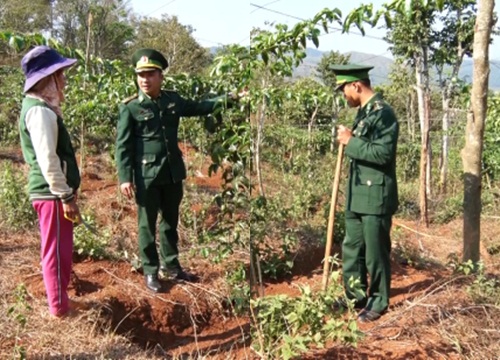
column 147, row 143
column 63, row 186
column 372, row 186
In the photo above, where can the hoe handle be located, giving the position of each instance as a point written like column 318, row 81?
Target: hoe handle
column 331, row 218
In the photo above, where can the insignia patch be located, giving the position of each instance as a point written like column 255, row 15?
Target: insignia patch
column 144, row 59
column 146, row 112
column 171, row 105
column 129, row 99
column 378, row 106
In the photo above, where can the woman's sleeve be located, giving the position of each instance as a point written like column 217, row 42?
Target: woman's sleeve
column 41, row 123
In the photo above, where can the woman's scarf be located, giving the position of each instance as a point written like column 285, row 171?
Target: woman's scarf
column 50, row 91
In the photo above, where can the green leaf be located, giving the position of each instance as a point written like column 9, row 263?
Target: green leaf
column 265, row 57
column 17, row 43
column 303, row 41
column 388, row 20
column 315, row 40
column 324, row 23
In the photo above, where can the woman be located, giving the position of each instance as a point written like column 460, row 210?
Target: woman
column 53, row 176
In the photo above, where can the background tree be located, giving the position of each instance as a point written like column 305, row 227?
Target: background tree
column 15, row 16
column 400, row 93
column 323, row 70
column 175, row 41
column 455, row 41
column 415, row 36
column 472, row 152
column 32, row 16
column 326, row 75
column 102, row 27
column 313, row 100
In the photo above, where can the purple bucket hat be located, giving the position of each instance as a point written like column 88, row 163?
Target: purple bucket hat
column 41, row 62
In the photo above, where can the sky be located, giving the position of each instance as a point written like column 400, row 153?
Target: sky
column 221, row 22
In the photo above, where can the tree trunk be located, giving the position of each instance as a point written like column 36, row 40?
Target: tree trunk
column 472, row 152
column 333, row 132
column 309, row 132
column 424, row 168
column 89, row 34
column 444, row 146
column 447, row 94
column 427, row 124
column 413, row 116
column 335, row 116
column 408, row 114
column 420, row 94
column 258, row 144
column 423, row 115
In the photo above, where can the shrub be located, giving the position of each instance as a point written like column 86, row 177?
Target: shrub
column 16, row 210
column 88, row 244
column 285, row 327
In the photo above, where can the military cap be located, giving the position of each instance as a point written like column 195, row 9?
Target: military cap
column 349, row 73
column 148, row 60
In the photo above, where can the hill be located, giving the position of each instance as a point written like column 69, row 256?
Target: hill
column 382, row 67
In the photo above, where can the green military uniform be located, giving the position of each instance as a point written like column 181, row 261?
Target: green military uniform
column 371, row 196
column 148, row 155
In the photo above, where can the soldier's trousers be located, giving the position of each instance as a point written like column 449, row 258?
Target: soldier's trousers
column 366, row 251
column 163, row 199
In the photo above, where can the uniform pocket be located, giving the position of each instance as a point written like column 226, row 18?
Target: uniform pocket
column 148, row 165
column 146, row 124
column 371, row 187
column 370, row 179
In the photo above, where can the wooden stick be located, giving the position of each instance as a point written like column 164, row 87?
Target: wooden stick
column 331, row 218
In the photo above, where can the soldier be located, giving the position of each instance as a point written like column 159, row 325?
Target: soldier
column 372, row 195
column 150, row 164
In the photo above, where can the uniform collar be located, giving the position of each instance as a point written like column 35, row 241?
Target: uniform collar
column 366, row 109
column 363, row 111
column 143, row 97
column 369, row 105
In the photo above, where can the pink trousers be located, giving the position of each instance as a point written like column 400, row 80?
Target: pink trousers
column 56, row 252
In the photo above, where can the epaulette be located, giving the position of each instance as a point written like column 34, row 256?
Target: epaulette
column 129, row 99
column 378, row 105
column 169, row 91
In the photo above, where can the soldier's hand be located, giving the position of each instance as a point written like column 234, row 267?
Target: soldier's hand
column 343, row 134
column 127, row 189
column 240, row 95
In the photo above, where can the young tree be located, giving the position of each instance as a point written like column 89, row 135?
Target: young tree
column 400, row 93
column 324, row 72
column 472, row 152
column 276, row 53
column 310, row 97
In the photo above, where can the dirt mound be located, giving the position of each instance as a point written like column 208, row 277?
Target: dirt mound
column 186, row 318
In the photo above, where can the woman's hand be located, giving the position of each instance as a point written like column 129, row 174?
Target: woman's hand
column 71, row 211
